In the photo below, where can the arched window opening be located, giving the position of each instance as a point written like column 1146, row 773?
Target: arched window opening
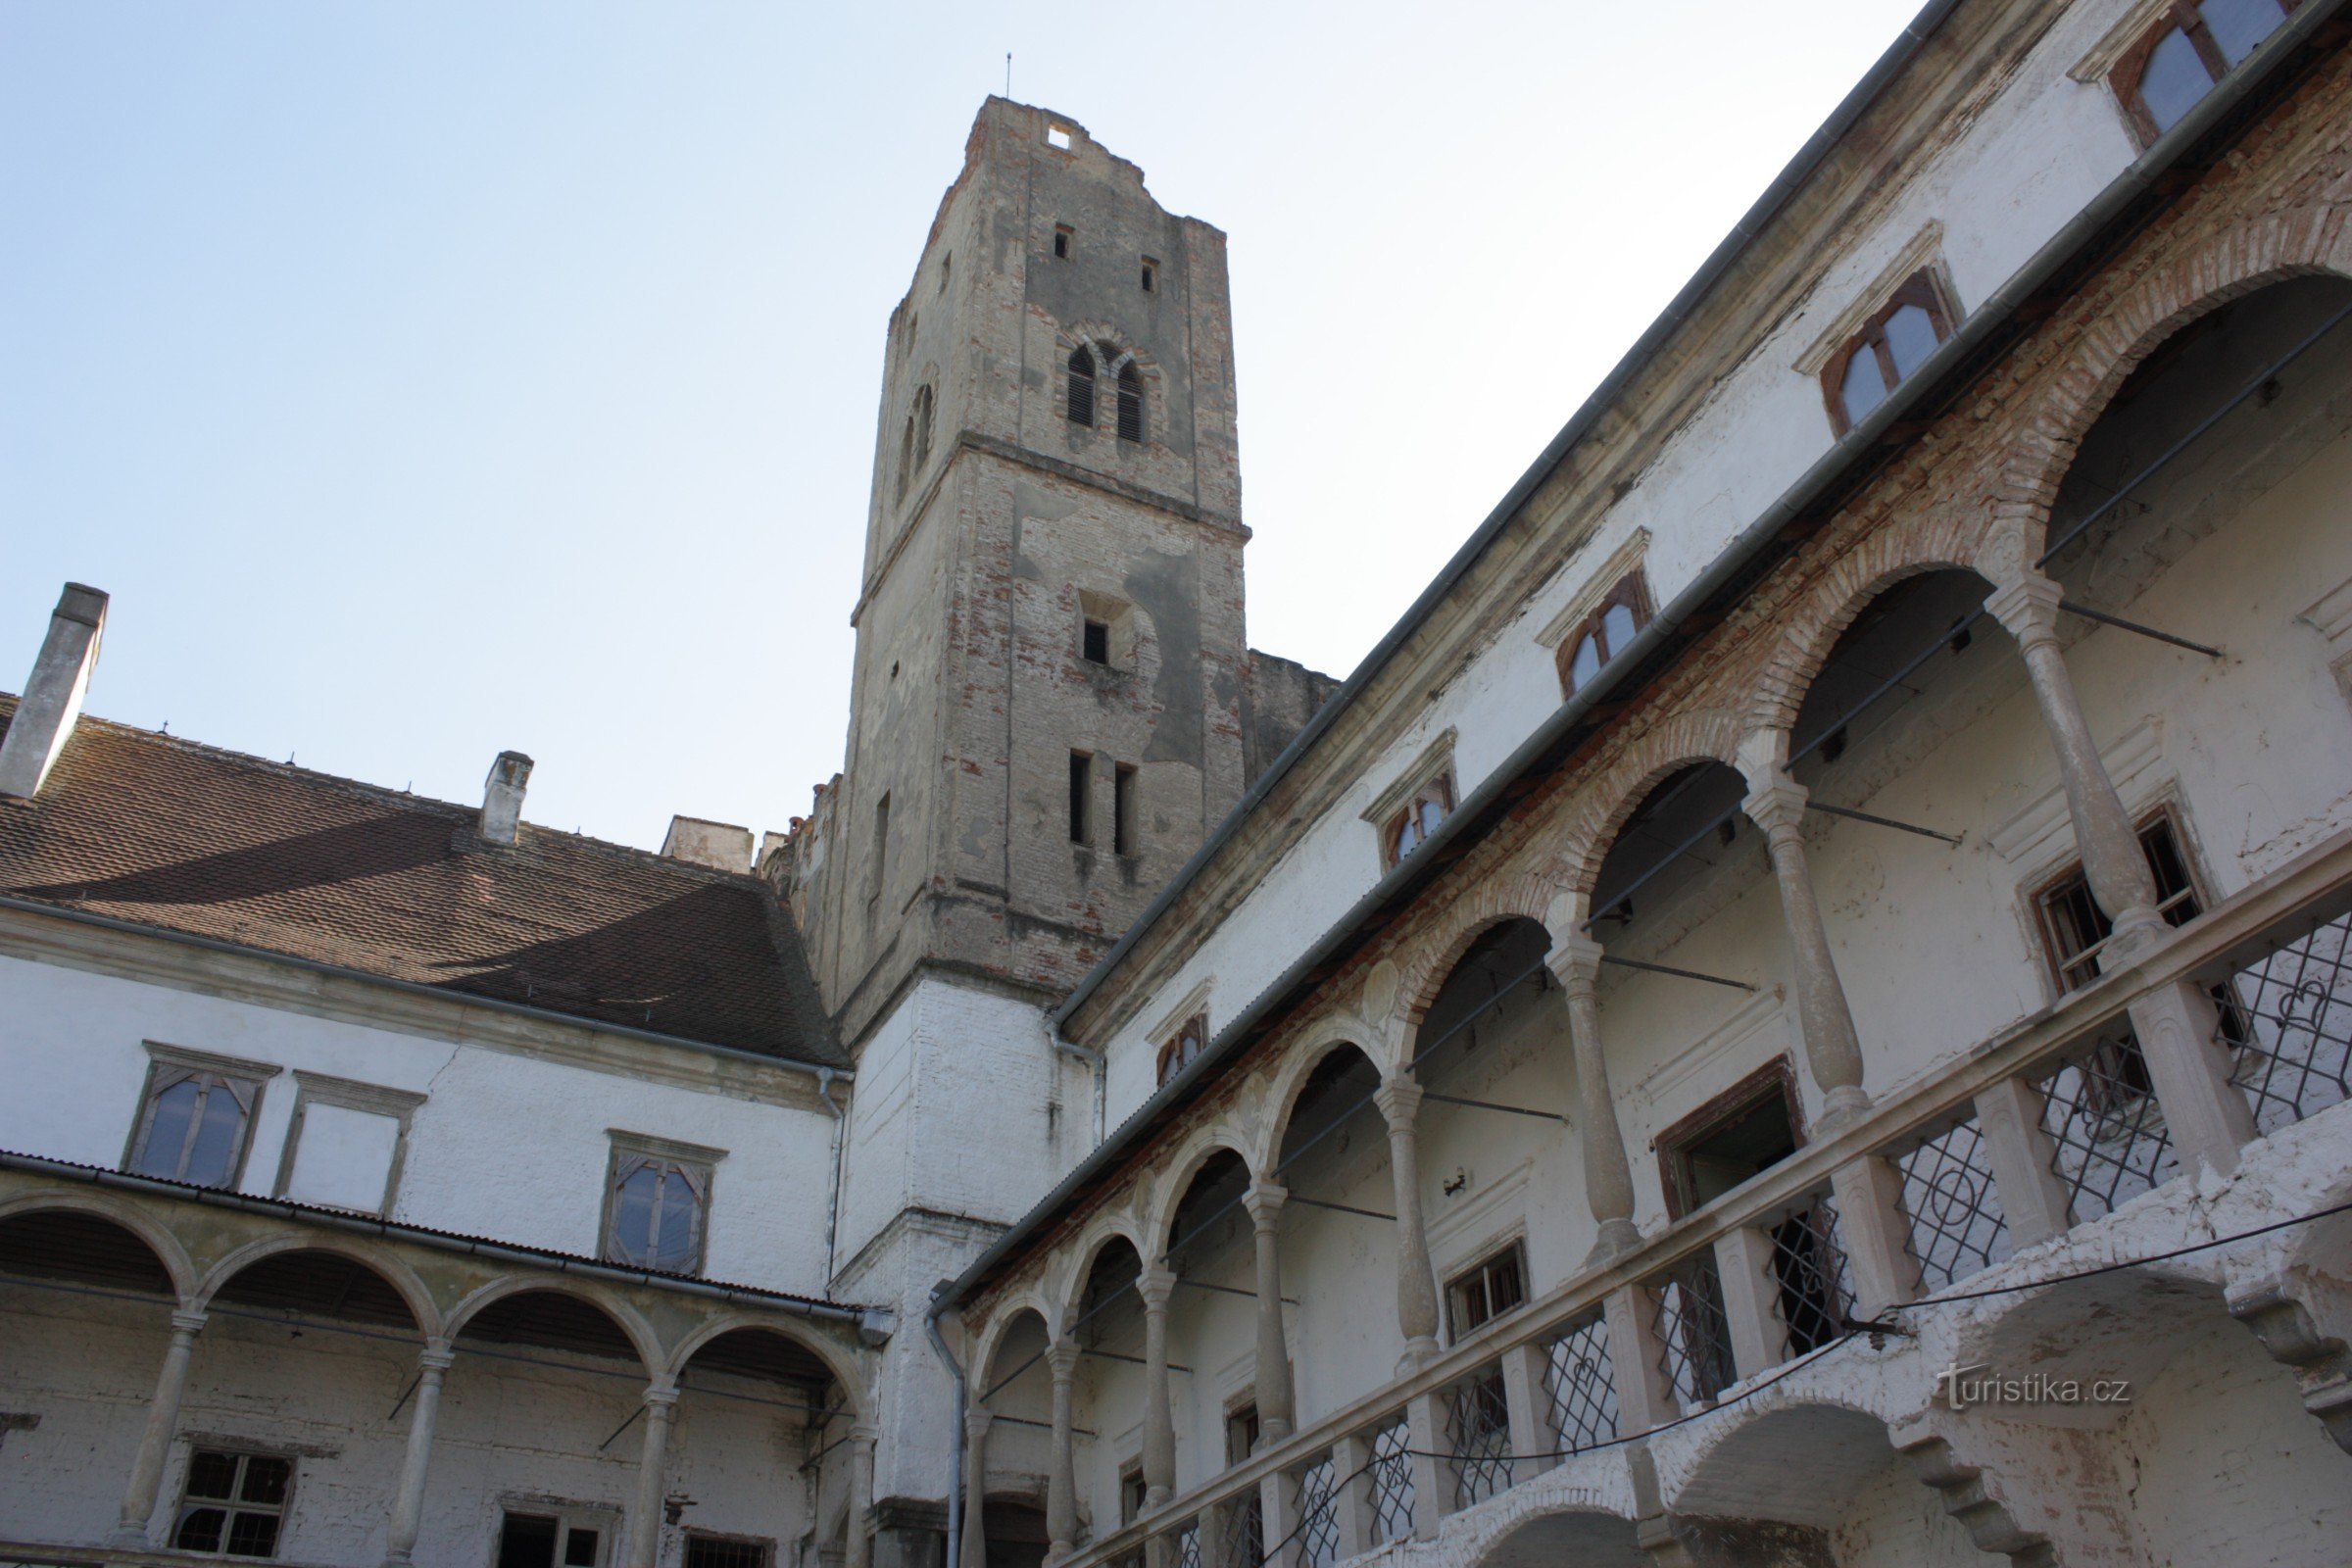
column 1082, row 386
column 1891, row 344
column 922, row 428
column 1131, row 403
column 1183, row 1047
column 1412, row 825
column 2186, row 50
column 1605, row 633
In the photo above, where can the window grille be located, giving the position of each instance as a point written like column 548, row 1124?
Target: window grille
column 2110, row 1139
column 1478, row 1434
column 2288, row 1018
column 1392, row 1478
column 727, row 1552
column 1188, row 1546
column 1813, row 1278
column 1952, row 1210
column 1580, row 1386
column 233, row 1504
column 1082, row 386
column 1694, row 1339
column 1319, row 1512
column 1244, row 1532
column 1131, row 403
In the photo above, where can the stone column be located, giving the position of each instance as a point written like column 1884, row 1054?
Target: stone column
column 1061, row 1478
column 653, row 1472
column 1400, row 1100
column 163, row 1423
column 1156, row 1284
column 857, row 1532
column 977, row 1418
column 2113, row 862
column 1831, row 1048
column 1264, row 1202
column 408, row 1510
column 1575, row 961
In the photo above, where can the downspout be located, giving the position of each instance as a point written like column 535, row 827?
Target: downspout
column 943, row 1296
column 841, row 1122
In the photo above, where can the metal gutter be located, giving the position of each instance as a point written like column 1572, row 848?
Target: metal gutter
column 1898, row 56
column 869, row 1319
column 1731, row 571
column 825, row 1075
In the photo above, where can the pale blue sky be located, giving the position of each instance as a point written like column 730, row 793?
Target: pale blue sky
column 427, row 379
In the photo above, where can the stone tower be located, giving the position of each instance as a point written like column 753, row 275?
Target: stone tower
column 1050, row 688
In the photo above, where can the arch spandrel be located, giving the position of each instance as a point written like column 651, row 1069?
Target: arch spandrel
column 590, row 1292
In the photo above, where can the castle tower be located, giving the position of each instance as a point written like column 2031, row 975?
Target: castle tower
column 1049, row 701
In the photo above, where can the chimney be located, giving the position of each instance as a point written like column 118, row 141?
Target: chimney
column 502, row 797
column 720, row 846
column 51, row 699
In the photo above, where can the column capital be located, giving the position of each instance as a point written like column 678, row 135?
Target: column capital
column 864, row 1434
column 436, row 1358
column 1777, row 805
column 2028, row 608
column 1156, row 1284
column 977, row 1419
column 1062, row 1358
column 1265, row 1200
column 660, row 1395
column 187, row 1321
column 1400, row 1100
column 1574, row 962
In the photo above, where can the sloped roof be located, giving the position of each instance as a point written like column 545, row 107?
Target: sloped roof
column 157, row 831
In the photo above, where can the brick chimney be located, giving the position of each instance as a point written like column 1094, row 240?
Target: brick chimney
column 52, row 700
column 502, row 797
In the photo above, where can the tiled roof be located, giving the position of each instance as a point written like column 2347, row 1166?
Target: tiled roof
column 161, row 832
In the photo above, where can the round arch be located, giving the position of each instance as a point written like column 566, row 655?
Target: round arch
column 1574, row 1532
column 625, row 1318
column 395, row 1274
column 1009, row 1317
column 1298, row 1072
column 169, row 1254
column 1495, row 902
column 1881, row 562
column 1107, row 1230
column 1742, row 1471
column 1702, row 735
column 1191, row 1159
column 845, row 1366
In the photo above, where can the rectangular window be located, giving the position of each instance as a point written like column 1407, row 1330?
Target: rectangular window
column 1095, row 643
column 1241, row 1431
column 1745, row 1130
column 658, row 1203
column 543, row 1540
column 1122, row 809
column 2075, row 929
column 232, row 1505
column 881, row 845
column 704, row 1550
column 345, row 1146
column 1487, row 1290
column 1082, row 791
column 1151, row 275
column 195, row 1116
column 1061, row 242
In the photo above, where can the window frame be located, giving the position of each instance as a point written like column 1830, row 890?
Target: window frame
column 319, row 1089
column 1073, row 378
column 1128, row 396
column 1741, row 1099
column 2163, row 817
column 1437, row 788
column 628, row 1151
column 232, row 1505
column 1631, row 590
column 1170, row 1060
column 602, row 1519
column 2188, row 16
column 1513, row 1253
column 1923, row 288
column 169, row 1066
column 763, row 1547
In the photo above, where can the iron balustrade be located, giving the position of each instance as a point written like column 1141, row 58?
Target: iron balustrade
column 1953, row 1223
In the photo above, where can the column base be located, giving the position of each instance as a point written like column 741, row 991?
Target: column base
column 1617, row 1237
column 1841, row 1105
column 1419, row 1351
column 1271, row 1430
column 128, row 1536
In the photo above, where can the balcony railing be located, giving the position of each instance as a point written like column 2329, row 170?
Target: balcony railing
column 2056, row 1117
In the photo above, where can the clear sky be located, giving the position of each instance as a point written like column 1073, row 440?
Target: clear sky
column 428, row 379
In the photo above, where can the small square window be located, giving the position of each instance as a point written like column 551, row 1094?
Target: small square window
column 233, row 1504
column 1151, row 275
column 1061, row 242
column 1057, row 137
column 1487, row 1290
column 1095, row 643
column 658, row 1203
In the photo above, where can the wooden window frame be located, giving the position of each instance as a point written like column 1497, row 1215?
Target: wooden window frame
column 600, row 1520
column 2166, row 816
column 231, row 1505
column 1172, row 1059
column 1439, row 786
column 1513, row 1253
column 1079, row 386
column 167, row 1067
column 1923, row 289
column 2125, row 76
column 1674, row 1143
column 1631, row 591
column 696, row 1163
column 1129, row 396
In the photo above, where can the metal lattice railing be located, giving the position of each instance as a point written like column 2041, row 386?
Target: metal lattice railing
column 1952, row 1207
column 1694, row 1339
column 2288, row 1018
column 1813, row 1278
column 1392, row 1479
column 1580, row 1386
column 1244, row 1533
column 1318, row 1512
column 2110, row 1142
column 1188, row 1544
column 1478, row 1435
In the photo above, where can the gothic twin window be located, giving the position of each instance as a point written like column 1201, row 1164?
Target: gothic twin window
column 1604, row 634
column 1087, row 365
column 2190, row 47
column 1894, row 342
column 1409, row 826
column 1185, row 1048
